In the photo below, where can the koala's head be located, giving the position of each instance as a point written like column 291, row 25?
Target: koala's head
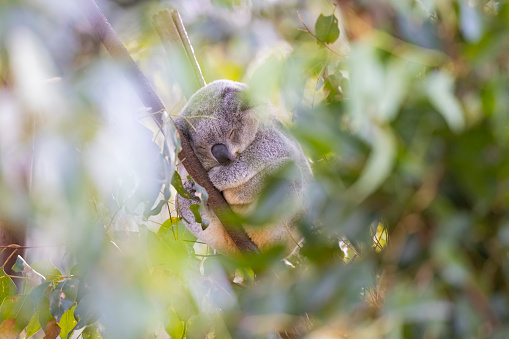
column 220, row 122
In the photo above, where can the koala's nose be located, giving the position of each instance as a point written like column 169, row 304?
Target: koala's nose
column 220, row 152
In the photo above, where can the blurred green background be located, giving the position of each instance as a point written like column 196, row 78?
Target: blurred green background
column 401, row 106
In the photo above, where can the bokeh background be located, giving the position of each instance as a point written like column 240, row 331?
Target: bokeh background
column 403, row 115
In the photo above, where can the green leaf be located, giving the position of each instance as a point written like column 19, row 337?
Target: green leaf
column 176, row 328
column 19, row 307
column 37, row 294
column 176, row 181
column 18, row 265
column 91, row 332
column 7, row 287
column 47, row 269
column 63, row 297
column 327, row 29
column 67, row 323
column 167, row 225
column 33, row 278
column 85, row 312
column 195, row 208
column 378, row 166
column 184, row 305
column 227, row 3
column 44, row 315
column 34, row 325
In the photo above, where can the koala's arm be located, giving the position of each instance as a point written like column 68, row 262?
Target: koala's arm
column 269, row 151
column 214, row 235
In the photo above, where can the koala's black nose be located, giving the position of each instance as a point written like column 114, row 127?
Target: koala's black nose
column 220, row 152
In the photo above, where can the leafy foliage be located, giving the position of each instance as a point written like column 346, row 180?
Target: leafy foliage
column 401, row 106
column 327, row 30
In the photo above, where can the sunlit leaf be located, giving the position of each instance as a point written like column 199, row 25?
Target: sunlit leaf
column 47, row 269
column 176, row 328
column 67, row 323
column 34, row 278
column 7, row 287
column 34, row 325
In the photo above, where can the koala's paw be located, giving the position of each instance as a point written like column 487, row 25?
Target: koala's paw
column 216, row 176
column 189, row 186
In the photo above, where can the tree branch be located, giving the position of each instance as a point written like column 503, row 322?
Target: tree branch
column 150, row 99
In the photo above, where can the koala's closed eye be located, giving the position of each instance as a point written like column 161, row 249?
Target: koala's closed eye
column 232, row 134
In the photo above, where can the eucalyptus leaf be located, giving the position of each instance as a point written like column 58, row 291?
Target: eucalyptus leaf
column 63, row 297
column 7, row 287
column 85, row 312
column 34, row 325
column 91, row 332
column 196, row 209
column 67, row 323
column 176, row 181
column 440, row 93
column 20, row 308
column 327, row 29
column 176, row 328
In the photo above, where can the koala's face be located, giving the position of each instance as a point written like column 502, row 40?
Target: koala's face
column 224, row 122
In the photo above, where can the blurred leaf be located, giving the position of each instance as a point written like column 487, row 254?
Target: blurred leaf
column 45, row 316
column 47, row 269
column 19, row 308
column 327, row 29
column 440, row 93
column 38, row 293
column 85, row 312
column 18, row 265
column 8, row 329
column 227, row 3
column 176, row 328
column 7, row 287
column 34, row 325
column 63, row 297
column 34, row 278
column 470, row 21
column 67, row 323
column 167, row 226
column 91, row 332
column 378, row 167
column 52, row 330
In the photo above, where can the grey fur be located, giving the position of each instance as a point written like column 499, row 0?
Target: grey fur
column 259, row 145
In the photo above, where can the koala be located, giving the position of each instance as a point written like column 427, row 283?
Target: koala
column 240, row 143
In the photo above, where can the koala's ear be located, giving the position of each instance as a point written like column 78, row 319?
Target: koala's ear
column 238, row 99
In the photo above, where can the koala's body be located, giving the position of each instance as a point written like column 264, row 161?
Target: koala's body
column 240, row 145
